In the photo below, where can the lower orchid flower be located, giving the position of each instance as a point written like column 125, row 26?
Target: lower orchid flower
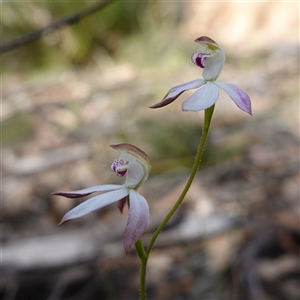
column 211, row 58
column 135, row 164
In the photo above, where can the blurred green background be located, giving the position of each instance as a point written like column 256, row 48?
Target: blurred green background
column 114, row 32
column 73, row 92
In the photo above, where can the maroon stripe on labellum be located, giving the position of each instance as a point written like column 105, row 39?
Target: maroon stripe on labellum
column 119, row 167
column 121, row 173
column 199, row 59
column 199, row 62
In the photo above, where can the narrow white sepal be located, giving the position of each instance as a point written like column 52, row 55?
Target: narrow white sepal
column 87, row 191
column 95, row 203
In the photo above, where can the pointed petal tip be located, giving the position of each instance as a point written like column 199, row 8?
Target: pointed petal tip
column 63, row 221
column 250, row 109
column 126, row 249
column 156, row 105
column 69, row 194
column 246, row 107
column 247, row 110
column 127, row 246
column 165, row 101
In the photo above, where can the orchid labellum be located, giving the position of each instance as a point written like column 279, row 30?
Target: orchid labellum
column 135, row 165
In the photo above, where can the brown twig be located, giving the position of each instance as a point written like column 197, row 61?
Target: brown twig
column 24, row 40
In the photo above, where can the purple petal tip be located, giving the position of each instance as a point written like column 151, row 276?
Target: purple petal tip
column 70, row 194
column 62, row 222
column 165, row 101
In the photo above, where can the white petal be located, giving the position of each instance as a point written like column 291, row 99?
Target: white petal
column 240, row 98
column 137, row 219
column 136, row 174
column 95, row 203
column 176, row 91
column 213, row 65
column 88, row 191
column 202, row 99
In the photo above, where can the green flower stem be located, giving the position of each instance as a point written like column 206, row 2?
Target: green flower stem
column 143, row 278
column 141, row 253
column 140, row 249
column 207, row 120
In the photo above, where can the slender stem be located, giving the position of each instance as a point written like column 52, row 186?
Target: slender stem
column 207, row 119
column 141, row 252
column 143, row 278
column 144, row 257
column 140, row 249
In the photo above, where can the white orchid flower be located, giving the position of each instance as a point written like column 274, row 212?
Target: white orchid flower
column 135, row 164
column 211, row 58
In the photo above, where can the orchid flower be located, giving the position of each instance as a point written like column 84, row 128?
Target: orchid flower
column 135, row 164
column 211, row 58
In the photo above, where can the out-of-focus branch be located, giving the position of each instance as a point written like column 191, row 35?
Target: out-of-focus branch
column 24, row 40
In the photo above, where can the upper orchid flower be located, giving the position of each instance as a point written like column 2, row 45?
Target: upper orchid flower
column 135, row 164
column 210, row 57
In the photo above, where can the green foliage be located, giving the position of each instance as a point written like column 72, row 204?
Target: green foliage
column 172, row 139
column 71, row 44
column 174, row 143
column 16, row 129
